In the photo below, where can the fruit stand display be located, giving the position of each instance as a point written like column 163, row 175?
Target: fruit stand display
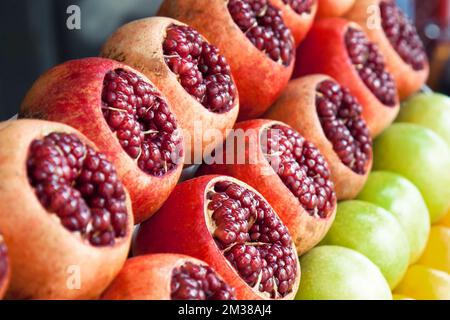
column 336, row 185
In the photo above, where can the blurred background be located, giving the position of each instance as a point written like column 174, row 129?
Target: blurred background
column 35, row 37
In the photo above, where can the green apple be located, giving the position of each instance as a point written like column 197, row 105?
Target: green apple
column 375, row 233
column 428, row 110
column 401, row 197
column 421, row 156
column 337, row 273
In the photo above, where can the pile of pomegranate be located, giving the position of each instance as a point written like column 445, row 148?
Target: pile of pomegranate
column 101, row 144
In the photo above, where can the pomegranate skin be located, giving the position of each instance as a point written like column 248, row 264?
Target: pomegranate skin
column 140, row 45
column 299, row 24
column 333, row 8
column 147, row 277
column 71, row 93
column 324, row 51
column 212, row 19
column 306, row 230
column 6, row 276
column 193, row 236
column 297, row 108
column 408, row 80
column 47, row 258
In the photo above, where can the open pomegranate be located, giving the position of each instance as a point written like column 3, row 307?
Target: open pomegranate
column 289, row 171
column 388, row 27
column 168, row 277
column 191, row 72
column 5, row 271
column 252, row 35
column 298, row 15
column 65, row 215
column 229, row 225
column 329, row 116
column 124, row 114
column 334, row 8
column 340, row 49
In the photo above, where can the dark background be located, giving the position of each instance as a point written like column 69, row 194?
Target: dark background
column 34, row 37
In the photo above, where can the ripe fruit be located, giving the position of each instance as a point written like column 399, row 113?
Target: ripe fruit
column 121, row 111
column 401, row 297
column 428, row 110
column 446, row 220
column 397, row 38
column 333, row 8
column 298, row 16
column 326, row 114
column 422, row 157
column 230, row 226
column 167, row 277
column 422, row 283
column 339, row 48
column 252, row 36
column 375, row 233
column 5, row 271
column 289, row 171
column 401, row 198
column 192, row 73
column 437, row 252
column 64, row 213
column 336, row 273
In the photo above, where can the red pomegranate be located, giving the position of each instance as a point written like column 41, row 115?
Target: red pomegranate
column 65, row 215
column 5, row 271
column 329, row 116
column 192, row 73
column 289, row 171
column 298, row 15
column 252, row 35
column 168, row 277
column 340, row 49
column 333, row 8
column 230, row 226
column 397, row 38
column 123, row 113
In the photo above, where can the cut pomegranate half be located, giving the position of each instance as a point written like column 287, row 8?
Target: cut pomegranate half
column 340, row 49
column 230, row 226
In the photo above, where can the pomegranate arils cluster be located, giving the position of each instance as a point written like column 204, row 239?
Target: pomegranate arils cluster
column 302, row 168
column 402, row 35
column 340, row 116
column 371, row 67
column 300, row 6
column 253, row 238
column 142, row 121
column 3, row 260
column 80, row 186
column 202, row 70
column 195, row 282
column 263, row 25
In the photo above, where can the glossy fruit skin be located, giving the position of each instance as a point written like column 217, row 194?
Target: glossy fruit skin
column 401, row 198
column 146, row 277
column 337, row 273
column 333, row 8
column 299, row 24
column 45, row 256
column 422, row 283
column 140, row 45
column 212, row 19
column 374, row 232
column 428, row 110
column 401, row 297
column 437, row 252
column 193, row 237
column 324, row 51
column 445, row 221
column 4, row 282
column 421, row 156
column 297, row 108
column 306, row 230
column 71, row 93
column 408, row 80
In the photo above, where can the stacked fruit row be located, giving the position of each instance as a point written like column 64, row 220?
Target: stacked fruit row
column 166, row 94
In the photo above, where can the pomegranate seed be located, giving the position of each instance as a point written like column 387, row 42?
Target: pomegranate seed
column 301, row 6
column 3, row 260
